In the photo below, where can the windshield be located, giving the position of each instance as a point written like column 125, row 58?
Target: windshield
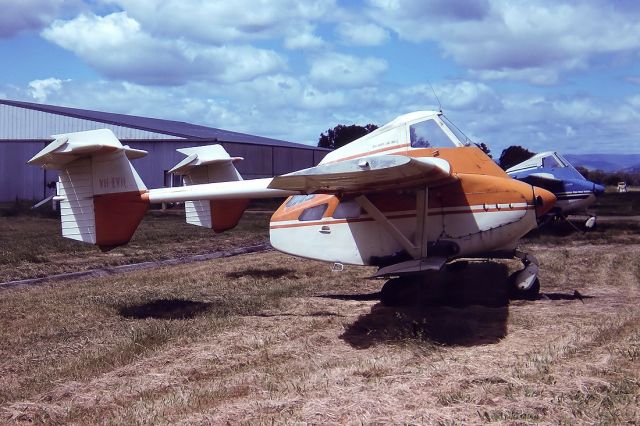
column 568, row 165
column 428, row 134
column 461, row 136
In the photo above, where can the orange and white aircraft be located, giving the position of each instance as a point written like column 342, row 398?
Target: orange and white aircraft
column 408, row 198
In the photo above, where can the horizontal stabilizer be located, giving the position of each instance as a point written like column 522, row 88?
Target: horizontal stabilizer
column 367, row 174
column 538, row 179
column 72, row 146
column 202, row 156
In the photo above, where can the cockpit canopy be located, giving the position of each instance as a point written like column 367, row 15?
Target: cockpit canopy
column 415, row 130
column 550, row 162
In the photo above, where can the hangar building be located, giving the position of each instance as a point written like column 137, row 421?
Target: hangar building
column 25, row 128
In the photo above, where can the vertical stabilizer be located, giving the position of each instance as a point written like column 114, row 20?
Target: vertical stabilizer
column 98, row 188
column 209, row 164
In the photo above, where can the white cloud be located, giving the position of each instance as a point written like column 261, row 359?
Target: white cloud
column 117, row 46
column 296, row 109
column 30, row 15
column 536, row 75
column 340, row 70
column 303, row 39
column 635, row 101
column 40, row 89
column 362, row 34
column 220, row 22
column 501, row 39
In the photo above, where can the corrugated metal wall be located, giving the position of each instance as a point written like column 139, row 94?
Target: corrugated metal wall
column 17, row 180
column 22, row 123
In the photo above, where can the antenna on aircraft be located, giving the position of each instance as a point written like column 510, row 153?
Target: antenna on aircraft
column 438, row 99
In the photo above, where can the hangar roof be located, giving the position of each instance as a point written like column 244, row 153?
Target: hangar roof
column 156, row 125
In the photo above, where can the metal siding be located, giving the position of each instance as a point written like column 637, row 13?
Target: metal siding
column 288, row 160
column 318, row 156
column 22, row 123
column 257, row 159
column 17, row 180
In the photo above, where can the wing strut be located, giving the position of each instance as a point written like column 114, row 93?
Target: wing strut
column 422, row 213
column 417, row 250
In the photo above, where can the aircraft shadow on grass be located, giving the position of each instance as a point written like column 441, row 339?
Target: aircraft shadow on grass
column 165, row 309
column 463, row 307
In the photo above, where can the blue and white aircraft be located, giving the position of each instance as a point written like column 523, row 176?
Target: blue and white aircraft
column 551, row 171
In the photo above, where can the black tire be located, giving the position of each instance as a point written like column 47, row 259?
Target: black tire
column 533, row 293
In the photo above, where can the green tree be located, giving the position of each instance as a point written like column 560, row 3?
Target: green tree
column 342, row 135
column 483, row 146
column 513, row 155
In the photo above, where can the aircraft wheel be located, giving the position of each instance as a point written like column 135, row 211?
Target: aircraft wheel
column 516, row 294
column 398, row 291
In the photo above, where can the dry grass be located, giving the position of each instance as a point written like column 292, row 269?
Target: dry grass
column 32, row 246
column 269, row 338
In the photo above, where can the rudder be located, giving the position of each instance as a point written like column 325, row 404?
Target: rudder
column 98, row 188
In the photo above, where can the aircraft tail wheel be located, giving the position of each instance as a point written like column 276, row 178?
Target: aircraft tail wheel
column 590, row 223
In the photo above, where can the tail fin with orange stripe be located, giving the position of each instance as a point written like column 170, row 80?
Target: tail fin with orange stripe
column 98, row 188
column 210, row 164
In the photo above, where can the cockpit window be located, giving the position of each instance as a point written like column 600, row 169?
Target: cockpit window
column 313, row 213
column 550, row 162
column 297, row 199
column 347, row 210
column 428, row 134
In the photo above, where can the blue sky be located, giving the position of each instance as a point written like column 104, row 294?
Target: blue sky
column 560, row 75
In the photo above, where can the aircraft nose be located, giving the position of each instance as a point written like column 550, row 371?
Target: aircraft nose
column 544, row 200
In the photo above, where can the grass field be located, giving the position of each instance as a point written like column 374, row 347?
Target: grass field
column 268, row 338
column 31, row 246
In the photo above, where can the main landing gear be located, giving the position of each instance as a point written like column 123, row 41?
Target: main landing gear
column 466, row 283
column 524, row 284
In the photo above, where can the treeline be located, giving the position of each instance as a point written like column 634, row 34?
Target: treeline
column 610, row 178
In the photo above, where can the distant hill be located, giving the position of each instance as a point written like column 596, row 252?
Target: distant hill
column 606, row 162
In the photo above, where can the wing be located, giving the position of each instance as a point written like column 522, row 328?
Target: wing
column 367, row 174
column 544, row 180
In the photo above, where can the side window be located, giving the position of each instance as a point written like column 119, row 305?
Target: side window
column 313, row 213
column 428, row 134
column 297, row 199
column 347, row 210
